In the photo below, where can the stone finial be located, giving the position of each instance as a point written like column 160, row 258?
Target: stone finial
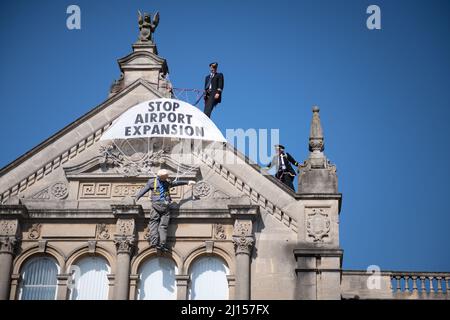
column 317, row 174
column 316, row 143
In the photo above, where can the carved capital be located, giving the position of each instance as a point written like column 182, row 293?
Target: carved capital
column 8, row 244
column 243, row 245
column 124, row 244
column 243, row 236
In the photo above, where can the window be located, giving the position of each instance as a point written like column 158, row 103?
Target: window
column 208, row 279
column 39, row 279
column 157, row 280
column 90, row 279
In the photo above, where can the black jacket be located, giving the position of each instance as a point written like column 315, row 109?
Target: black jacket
column 216, row 85
column 288, row 159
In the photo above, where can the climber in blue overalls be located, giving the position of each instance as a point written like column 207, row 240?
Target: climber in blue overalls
column 161, row 204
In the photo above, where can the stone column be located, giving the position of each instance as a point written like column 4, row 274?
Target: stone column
column 62, row 289
column 243, row 239
column 10, row 216
column 182, row 287
column 125, row 240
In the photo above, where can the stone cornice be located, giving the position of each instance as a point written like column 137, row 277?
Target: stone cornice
column 16, row 211
column 127, row 211
column 320, row 196
column 248, row 212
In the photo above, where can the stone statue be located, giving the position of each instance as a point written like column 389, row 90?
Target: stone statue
column 146, row 26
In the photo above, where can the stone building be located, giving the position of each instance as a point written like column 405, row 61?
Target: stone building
column 69, row 229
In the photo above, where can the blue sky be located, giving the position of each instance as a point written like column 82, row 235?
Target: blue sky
column 384, row 95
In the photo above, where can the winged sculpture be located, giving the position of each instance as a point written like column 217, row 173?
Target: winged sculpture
column 147, row 25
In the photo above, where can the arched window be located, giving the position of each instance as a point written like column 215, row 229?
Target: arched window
column 157, row 279
column 39, row 280
column 208, row 279
column 90, row 279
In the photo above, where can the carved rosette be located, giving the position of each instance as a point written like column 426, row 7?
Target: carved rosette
column 59, row 190
column 202, row 189
column 317, row 225
column 243, row 237
column 124, row 244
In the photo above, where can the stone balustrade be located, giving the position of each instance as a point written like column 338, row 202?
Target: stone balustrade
column 420, row 282
column 360, row 284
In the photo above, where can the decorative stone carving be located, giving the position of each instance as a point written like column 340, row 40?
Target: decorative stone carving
column 95, row 190
column 242, row 228
column 117, row 85
column 8, row 227
column 219, row 232
column 243, row 236
column 35, row 231
column 243, row 244
column 44, row 194
column 59, row 190
column 124, row 244
column 102, row 231
column 202, row 189
column 317, row 225
column 131, row 163
column 8, row 244
column 125, row 227
column 146, row 233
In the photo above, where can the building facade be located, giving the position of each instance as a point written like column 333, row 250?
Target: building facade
column 69, row 228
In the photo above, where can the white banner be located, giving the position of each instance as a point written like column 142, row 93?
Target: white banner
column 164, row 118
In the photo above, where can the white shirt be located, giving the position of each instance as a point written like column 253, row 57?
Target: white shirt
column 211, row 76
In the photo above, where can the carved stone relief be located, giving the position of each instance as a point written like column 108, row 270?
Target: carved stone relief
column 318, row 225
column 58, row 191
column 102, row 232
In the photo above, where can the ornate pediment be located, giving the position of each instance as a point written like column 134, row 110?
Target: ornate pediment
column 131, row 159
